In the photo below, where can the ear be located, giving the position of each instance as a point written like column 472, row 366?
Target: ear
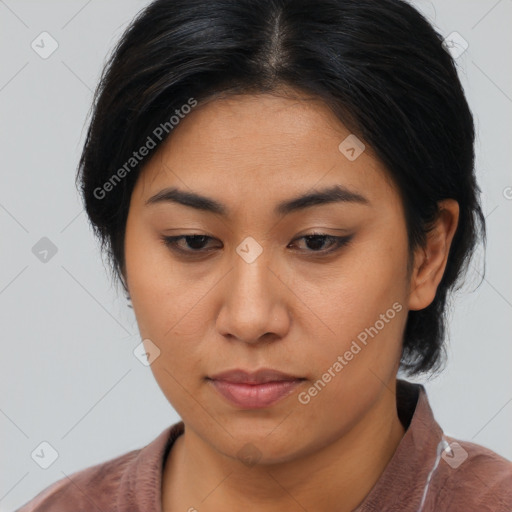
column 430, row 261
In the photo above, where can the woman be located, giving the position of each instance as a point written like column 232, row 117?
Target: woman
column 286, row 190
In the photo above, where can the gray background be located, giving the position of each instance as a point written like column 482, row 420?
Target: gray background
column 68, row 373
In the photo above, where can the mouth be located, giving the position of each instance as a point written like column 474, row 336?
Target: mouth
column 254, row 390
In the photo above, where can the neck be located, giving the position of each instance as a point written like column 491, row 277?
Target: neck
column 336, row 477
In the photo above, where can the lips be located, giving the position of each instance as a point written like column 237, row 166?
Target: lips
column 262, row 376
column 254, row 390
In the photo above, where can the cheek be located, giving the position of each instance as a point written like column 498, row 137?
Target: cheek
column 168, row 302
column 150, row 278
column 168, row 306
column 360, row 302
column 360, row 351
column 352, row 293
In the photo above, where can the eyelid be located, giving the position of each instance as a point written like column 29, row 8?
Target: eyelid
column 339, row 242
column 170, row 242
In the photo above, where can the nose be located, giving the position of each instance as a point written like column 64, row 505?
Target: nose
column 254, row 307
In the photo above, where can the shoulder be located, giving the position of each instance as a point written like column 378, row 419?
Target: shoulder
column 127, row 482
column 476, row 478
column 92, row 488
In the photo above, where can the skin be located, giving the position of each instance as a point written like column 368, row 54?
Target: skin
column 291, row 309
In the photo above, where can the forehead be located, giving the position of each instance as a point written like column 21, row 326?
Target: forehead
column 261, row 146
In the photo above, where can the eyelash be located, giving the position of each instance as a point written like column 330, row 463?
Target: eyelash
column 339, row 242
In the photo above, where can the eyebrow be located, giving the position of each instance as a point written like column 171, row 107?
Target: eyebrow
column 334, row 194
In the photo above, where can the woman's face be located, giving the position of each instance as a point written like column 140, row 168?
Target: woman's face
column 256, row 293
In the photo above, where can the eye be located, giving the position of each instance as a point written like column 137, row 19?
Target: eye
column 195, row 244
column 316, row 242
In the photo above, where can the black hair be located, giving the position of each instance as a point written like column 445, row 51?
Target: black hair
column 378, row 64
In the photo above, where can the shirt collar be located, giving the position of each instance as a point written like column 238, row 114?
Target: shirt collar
column 405, row 479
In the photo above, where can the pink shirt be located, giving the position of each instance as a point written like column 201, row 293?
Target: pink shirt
column 422, row 476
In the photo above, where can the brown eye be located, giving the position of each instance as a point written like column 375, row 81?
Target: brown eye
column 192, row 243
column 316, row 242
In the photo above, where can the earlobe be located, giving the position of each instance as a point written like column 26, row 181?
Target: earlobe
column 430, row 260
